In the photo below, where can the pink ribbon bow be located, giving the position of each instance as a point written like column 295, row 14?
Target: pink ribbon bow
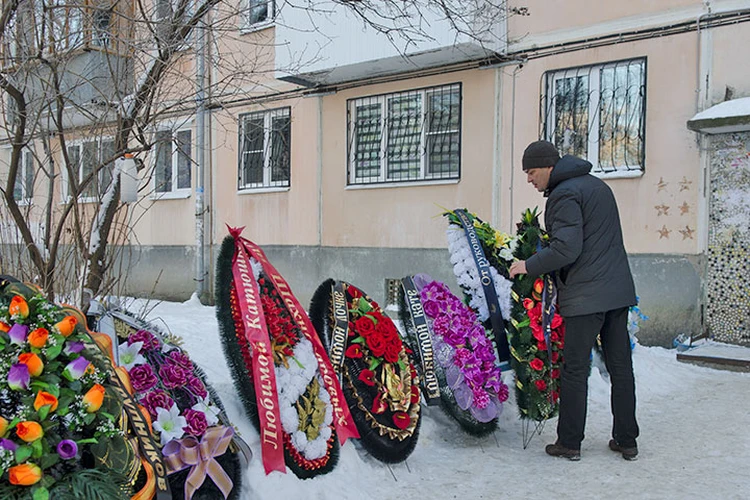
column 180, row 454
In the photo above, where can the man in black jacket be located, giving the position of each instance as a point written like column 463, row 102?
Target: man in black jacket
column 595, row 291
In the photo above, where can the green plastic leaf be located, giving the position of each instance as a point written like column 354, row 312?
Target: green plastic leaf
column 41, row 493
column 48, row 460
column 54, row 351
column 23, row 453
column 358, row 340
column 36, row 449
column 44, row 411
column 364, row 306
column 374, row 363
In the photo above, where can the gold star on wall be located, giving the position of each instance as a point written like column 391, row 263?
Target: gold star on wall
column 661, row 185
column 664, row 232
column 687, row 233
column 685, row 184
column 684, row 208
column 661, row 210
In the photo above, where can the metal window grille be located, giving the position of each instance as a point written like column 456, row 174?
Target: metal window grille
column 265, row 149
column 405, row 136
column 598, row 113
column 392, row 288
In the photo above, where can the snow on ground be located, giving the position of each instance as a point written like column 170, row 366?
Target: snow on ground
column 694, row 439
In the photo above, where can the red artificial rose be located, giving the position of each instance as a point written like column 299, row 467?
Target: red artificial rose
column 537, row 364
column 554, row 373
column 376, row 344
column 555, row 356
column 540, row 384
column 555, row 396
column 541, row 345
column 392, row 352
column 535, row 314
column 401, row 419
column 537, row 332
column 354, row 351
column 364, row 326
column 379, row 405
column 528, row 304
column 414, row 395
column 367, row 376
column 554, row 337
column 556, row 321
column 352, row 330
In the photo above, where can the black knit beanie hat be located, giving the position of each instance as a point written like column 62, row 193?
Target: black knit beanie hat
column 540, row 154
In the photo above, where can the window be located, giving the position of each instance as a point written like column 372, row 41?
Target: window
column 265, row 149
column 259, row 12
column 407, row 136
column 24, row 188
column 173, row 160
column 598, row 113
column 85, row 158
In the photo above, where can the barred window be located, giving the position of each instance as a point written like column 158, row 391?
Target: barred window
column 598, row 113
column 259, row 12
column 174, row 160
column 405, row 136
column 23, row 190
column 265, row 149
column 85, row 158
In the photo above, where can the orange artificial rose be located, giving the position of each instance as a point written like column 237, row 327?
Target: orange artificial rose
column 66, row 325
column 94, row 398
column 18, row 307
column 24, row 474
column 38, row 337
column 4, row 327
column 33, row 362
column 45, row 398
column 29, row 431
column 3, row 426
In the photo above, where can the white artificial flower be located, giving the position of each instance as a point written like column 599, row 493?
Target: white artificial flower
column 130, row 355
column 210, row 411
column 169, row 424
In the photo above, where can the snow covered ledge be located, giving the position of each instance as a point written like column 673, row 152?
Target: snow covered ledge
column 726, row 117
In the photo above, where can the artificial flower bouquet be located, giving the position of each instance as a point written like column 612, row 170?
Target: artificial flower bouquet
column 380, row 383
column 186, row 415
column 536, row 357
column 458, row 350
column 279, row 365
column 61, row 430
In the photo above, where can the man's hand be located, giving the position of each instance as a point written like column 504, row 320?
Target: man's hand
column 518, row 267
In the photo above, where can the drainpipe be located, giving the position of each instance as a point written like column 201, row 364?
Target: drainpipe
column 200, row 135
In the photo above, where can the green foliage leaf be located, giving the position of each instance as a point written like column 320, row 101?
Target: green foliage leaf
column 374, row 363
column 48, row 460
column 55, row 350
column 359, row 340
column 364, row 306
column 41, row 493
column 44, row 411
column 36, row 449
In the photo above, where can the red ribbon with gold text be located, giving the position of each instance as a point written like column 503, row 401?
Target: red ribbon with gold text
column 264, row 375
column 342, row 420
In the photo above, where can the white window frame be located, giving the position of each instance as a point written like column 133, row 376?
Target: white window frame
column 175, row 192
column 27, row 161
column 248, row 26
column 79, row 143
column 268, row 182
column 593, row 73
column 424, row 176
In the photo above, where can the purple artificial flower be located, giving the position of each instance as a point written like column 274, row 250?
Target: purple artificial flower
column 156, row 399
column 18, row 377
column 73, row 347
column 76, row 368
column 18, row 333
column 142, row 377
column 431, row 308
column 173, row 376
column 149, row 341
column 196, row 422
column 481, row 398
column 181, row 359
column 195, row 385
column 8, row 444
column 67, row 449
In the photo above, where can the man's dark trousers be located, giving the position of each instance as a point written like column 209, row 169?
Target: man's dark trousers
column 580, row 335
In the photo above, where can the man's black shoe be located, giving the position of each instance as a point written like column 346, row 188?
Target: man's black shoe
column 558, row 450
column 627, row 453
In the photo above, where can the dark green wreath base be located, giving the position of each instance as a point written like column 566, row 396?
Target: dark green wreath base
column 242, row 378
column 382, row 448
column 448, row 404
